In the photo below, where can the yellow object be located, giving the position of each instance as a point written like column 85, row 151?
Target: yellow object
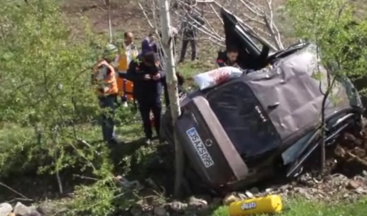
column 122, row 63
column 125, row 56
column 262, row 205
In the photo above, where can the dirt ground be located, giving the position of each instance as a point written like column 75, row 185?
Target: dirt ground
column 125, row 16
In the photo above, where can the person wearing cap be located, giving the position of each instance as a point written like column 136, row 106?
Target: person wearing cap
column 128, row 51
column 104, row 81
column 147, row 76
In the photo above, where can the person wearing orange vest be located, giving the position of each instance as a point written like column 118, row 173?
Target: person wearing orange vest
column 128, row 52
column 104, row 80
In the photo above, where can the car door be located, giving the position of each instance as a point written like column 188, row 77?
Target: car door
column 252, row 55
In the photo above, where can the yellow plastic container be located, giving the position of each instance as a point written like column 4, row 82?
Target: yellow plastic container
column 261, row 205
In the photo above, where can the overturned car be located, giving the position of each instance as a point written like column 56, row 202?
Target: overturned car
column 243, row 130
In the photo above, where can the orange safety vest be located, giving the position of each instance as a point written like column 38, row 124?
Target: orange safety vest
column 125, row 86
column 110, row 80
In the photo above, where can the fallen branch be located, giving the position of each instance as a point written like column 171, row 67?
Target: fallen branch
column 14, row 191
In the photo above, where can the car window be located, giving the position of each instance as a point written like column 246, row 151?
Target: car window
column 243, row 119
column 254, row 39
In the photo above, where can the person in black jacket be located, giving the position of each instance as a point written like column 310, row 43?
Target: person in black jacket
column 189, row 33
column 147, row 76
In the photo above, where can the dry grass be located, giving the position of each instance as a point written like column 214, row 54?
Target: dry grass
column 127, row 16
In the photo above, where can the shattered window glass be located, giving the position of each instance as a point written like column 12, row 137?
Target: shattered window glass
column 243, row 119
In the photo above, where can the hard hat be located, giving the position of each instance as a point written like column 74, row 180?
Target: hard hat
column 110, row 50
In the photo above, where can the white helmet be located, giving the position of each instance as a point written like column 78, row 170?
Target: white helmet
column 110, row 50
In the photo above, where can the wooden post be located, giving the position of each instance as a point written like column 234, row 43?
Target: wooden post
column 172, row 89
column 107, row 2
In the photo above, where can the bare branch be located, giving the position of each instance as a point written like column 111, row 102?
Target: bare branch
column 253, row 8
column 216, row 13
column 145, row 15
column 14, row 191
column 270, row 24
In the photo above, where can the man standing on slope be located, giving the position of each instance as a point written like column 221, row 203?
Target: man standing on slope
column 147, row 76
column 128, row 52
column 149, row 43
column 105, row 84
column 189, row 28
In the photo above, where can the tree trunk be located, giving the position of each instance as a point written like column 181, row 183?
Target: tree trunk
column 172, row 89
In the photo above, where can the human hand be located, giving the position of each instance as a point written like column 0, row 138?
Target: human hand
column 147, row 77
column 157, row 76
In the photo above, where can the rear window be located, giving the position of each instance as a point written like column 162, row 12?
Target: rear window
column 243, row 119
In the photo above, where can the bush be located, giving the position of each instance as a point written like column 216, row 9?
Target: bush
column 46, row 102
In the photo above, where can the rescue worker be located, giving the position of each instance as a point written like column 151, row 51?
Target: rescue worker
column 128, row 52
column 228, row 57
column 189, row 33
column 104, row 81
column 147, row 76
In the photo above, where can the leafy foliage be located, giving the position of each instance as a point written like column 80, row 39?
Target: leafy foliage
column 47, row 102
column 331, row 25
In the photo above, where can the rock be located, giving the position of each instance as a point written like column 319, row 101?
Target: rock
column 50, row 208
column 134, row 211
column 177, row 206
column 195, row 202
column 141, row 210
column 216, row 201
column 147, row 213
column 254, row 190
column 230, row 199
column 352, row 185
column 268, row 190
column 360, row 190
column 364, row 173
column 284, row 188
column 241, row 196
column 160, row 211
column 338, row 179
column 22, row 210
column 249, row 194
column 5, row 209
column 303, row 192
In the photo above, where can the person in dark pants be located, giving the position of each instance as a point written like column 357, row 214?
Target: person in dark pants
column 172, row 38
column 104, row 81
column 147, row 76
column 180, row 82
column 189, row 33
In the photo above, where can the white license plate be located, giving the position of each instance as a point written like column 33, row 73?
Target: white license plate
column 200, row 147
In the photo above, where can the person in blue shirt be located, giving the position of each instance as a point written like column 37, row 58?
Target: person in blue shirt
column 149, row 44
